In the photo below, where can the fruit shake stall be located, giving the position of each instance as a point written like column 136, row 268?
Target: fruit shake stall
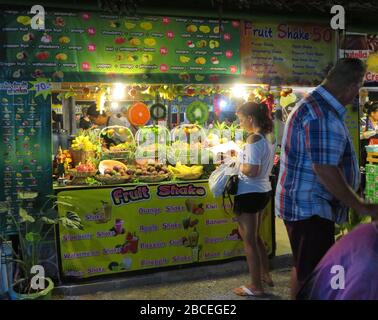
column 144, row 198
column 142, row 207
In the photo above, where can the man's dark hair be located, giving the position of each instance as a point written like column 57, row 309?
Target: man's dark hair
column 346, row 71
column 92, row 111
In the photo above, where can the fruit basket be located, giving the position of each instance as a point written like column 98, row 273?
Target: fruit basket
column 151, row 172
column 116, row 139
column 81, row 174
column 193, row 176
column 113, row 179
column 154, row 178
column 184, row 172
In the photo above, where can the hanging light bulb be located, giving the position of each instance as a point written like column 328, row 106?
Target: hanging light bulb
column 118, row 91
column 239, row 91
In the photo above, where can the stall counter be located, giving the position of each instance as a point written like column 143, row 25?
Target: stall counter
column 133, row 227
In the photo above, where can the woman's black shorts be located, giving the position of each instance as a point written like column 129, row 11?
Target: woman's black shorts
column 251, row 202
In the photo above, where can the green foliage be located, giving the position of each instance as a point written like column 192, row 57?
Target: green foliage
column 33, row 230
column 354, row 219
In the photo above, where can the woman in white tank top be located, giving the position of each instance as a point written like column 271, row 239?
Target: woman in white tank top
column 254, row 192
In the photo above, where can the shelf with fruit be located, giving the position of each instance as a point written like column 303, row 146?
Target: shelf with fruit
column 117, row 142
column 151, row 172
column 153, row 134
column 114, row 172
column 184, row 172
column 187, row 144
column 84, row 147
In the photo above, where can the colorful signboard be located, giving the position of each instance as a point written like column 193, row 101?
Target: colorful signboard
column 91, row 43
column 365, row 47
column 25, row 133
column 281, row 53
column 137, row 227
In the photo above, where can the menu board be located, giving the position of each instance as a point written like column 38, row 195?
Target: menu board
column 91, row 43
column 25, row 148
column 283, row 53
column 365, row 47
column 136, row 227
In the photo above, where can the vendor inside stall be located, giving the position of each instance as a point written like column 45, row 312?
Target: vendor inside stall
column 106, row 119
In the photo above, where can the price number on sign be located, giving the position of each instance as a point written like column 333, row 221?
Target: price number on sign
column 42, row 86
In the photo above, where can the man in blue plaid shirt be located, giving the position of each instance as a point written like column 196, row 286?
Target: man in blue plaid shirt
column 319, row 171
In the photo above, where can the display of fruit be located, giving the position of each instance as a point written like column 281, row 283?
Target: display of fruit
column 151, row 169
column 212, row 140
column 113, row 169
column 186, row 172
column 126, row 146
column 85, row 167
column 83, row 143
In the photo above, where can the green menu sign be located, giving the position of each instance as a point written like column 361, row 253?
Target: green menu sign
column 25, row 148
column 92, row 43
column 283, row 53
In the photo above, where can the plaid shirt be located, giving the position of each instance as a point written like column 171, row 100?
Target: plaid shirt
column 315, row 133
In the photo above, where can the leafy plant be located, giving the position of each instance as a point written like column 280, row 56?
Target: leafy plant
column 32, row 231
column 354, row 220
